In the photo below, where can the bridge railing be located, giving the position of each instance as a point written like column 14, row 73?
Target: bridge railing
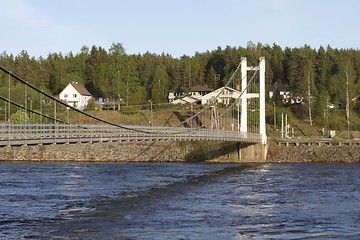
column 94, row 132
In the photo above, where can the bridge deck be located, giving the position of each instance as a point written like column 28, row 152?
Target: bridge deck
column 32, row 134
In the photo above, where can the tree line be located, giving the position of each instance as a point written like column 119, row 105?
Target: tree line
column 329, row 74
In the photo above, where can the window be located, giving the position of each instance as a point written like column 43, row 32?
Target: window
column 75, row 95
column 65, row 95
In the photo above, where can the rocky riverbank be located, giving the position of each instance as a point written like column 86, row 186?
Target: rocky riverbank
column 161, row 151
column 304, row 153
column 98, row 152
column 142, row 151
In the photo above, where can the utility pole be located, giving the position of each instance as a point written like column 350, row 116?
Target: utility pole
column 309, row 97
column 151, row 113
column 127, row 92
column 119, row 108
column 191, row 115
column 286, row 126
column 274, row 115
column 347, row 103
column 282, row 125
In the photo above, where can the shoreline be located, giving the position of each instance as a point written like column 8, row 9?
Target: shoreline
column 313, row 153
column 191, row 152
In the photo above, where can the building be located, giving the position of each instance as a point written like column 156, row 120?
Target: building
column 199, row 91
column 282, row 91
column 75, row 95
column 193, row 97
column 175, row 94
column 284, row 94
column 224, row 95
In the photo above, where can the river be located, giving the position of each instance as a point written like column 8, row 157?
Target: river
column 179, row 201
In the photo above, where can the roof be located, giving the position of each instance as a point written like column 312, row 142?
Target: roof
column 184, row 100
column 177, row 90
column 200, row 89
column 283, row 88
column 81, row 89
column 228, row 88
column 179, row 101
column 218, row 91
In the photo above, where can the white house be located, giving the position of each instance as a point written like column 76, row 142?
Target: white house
column 195, row 93
column 175, row 94
column 75, row 95
column 225, row 95
column 283, row 91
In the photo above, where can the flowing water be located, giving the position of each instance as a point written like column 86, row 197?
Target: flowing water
column 179, row 201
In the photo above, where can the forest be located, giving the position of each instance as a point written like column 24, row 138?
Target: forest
column 331, row 75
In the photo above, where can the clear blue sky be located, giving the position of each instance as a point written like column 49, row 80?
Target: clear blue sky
column 176, row 27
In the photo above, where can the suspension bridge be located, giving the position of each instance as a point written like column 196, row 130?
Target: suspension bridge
column 31, row 116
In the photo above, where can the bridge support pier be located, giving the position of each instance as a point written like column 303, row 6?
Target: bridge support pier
column 252, row 153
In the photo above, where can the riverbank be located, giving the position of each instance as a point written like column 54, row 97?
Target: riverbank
column 98, row 152
column 313, row 153
column 126, row 151
column 188, row 151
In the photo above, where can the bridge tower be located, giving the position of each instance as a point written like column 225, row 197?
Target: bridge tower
column 246, row 95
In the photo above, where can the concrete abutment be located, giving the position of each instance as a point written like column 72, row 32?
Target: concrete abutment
column 253, row 153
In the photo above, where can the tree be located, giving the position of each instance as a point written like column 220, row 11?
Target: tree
column 56, row 67
column 186, row 71
column 321, row 109
column 349, row 78
column 160, row 85
column 146, row 66
column 96, row 71
column 211, row 78
column 117, row 49
column 19, row 116
column 136, row 94
column 117, row 72
column 91, row 104
column 218, row 62
column 276, row 63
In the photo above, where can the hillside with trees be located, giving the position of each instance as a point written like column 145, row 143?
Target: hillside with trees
column 330, row 75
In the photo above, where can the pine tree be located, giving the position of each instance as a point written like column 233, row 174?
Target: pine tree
column 160, row 85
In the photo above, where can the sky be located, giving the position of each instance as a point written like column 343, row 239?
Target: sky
column 175, row 27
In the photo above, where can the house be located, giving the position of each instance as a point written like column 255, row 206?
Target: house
column 284, row 94
column 272, row 92
column 283, row 91
column 195, row 93
column 75, row 95
column 175, row 94
column 224, row 95
column 199, row 91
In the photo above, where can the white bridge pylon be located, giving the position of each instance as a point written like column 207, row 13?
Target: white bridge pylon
column 247, row 95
